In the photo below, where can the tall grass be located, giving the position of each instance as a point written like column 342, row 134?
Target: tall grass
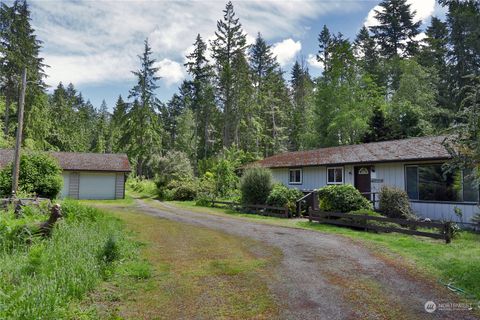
column 144, row 187
column 39, row 278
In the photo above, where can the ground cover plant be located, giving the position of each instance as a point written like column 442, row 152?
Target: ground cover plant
column 40, row 278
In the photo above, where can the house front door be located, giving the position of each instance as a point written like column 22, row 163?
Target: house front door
column 362, row 178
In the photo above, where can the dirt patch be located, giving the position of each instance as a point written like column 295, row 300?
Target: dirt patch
column 324, row 276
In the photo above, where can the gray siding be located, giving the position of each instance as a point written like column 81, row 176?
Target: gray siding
column 74, row 185
column 120, row 186
column 389, row 174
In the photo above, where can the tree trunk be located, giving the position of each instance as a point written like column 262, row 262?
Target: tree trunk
column 7, row 113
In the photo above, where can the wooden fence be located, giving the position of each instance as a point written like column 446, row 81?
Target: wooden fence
column 280, row 212
column 444, row 232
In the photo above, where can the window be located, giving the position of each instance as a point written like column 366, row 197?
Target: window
column 335, row 175
column 430, row 183
column 295, row 176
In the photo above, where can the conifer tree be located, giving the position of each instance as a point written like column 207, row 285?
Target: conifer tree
column 229, row 42
column 301, row 127
column 19, row 49
column 203, row 96
column 396, row 29
column 142, row 131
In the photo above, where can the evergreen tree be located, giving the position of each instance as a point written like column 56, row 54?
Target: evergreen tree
column 19, row 49
column 463, row 22
column 324, row 42
column 203, row 96
column 396, row 31
column 434, row 56
column 377, row 127
column 142, row 131
column 230, row 42
column 365, row 52
column 301, row 126
column 116, row 124
column 102, row 139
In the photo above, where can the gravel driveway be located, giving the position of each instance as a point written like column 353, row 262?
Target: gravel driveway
column 324, row 276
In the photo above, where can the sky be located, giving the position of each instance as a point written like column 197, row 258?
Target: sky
column 94, row 44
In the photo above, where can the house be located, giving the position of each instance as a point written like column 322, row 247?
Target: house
column 414, row 165
column 87, row 175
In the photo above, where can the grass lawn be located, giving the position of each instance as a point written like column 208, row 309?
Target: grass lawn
column 192, row 272
column 457, row 263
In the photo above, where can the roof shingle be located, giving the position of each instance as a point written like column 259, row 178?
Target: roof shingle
column 423, row 148
column 76, row 161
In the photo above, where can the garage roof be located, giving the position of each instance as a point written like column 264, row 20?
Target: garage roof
column 423, row 148
column 77, row 161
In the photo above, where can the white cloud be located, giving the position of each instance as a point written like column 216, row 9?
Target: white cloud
column 171, row 72
column 97, row 41
column 313, row 62
column 286, row 50
column 424, row 9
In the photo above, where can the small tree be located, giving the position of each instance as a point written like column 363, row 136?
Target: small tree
column 256, row 185
column 39, row 174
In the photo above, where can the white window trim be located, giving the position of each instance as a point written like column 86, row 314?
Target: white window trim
column 301, row 176
column 343, row 175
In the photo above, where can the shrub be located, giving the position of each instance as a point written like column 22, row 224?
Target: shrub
column 184, row 190
column 394, row 203
column 174, row 166
column 342, row 198
column 282, row 196
column 142, row 186
column 39, row 174
column 255, row 185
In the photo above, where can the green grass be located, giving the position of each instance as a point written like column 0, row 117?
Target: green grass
column 45, row 278
column 457, row 263
column 187, row 272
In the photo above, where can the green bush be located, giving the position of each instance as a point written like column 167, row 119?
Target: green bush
column 342, row 198
column 282, row 196
column 184, row 190
column 394, row 203
column 256, row 185
column 39, row 174
column 174, row 166
column 143, row 186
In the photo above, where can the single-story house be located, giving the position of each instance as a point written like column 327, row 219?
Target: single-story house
column 87, row 175
column 414, row 165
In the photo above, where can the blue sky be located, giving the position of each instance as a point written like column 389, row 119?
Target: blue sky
column 94, row 44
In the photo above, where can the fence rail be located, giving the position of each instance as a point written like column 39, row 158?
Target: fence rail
column 361, row 221
column 266, row 210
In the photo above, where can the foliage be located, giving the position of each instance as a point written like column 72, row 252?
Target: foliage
column 181, row 190
column 40, row 277
column 342, row 198
column 174, row 166
column 39, row 174
column 256, row 185
column 394, row 203
column 142, row 186
column 282, row 196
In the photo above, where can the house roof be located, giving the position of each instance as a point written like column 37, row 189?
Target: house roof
column 423, row 148
column 77, row 161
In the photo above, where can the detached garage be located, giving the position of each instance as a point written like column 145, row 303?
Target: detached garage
column 88, row 175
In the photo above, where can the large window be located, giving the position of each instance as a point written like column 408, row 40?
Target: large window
column 335, row 175
column 429, row 182
column 295, row 176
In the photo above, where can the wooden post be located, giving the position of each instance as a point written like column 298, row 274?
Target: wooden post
column 18, row 144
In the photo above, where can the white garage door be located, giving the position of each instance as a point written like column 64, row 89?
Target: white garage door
column 97, row 185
